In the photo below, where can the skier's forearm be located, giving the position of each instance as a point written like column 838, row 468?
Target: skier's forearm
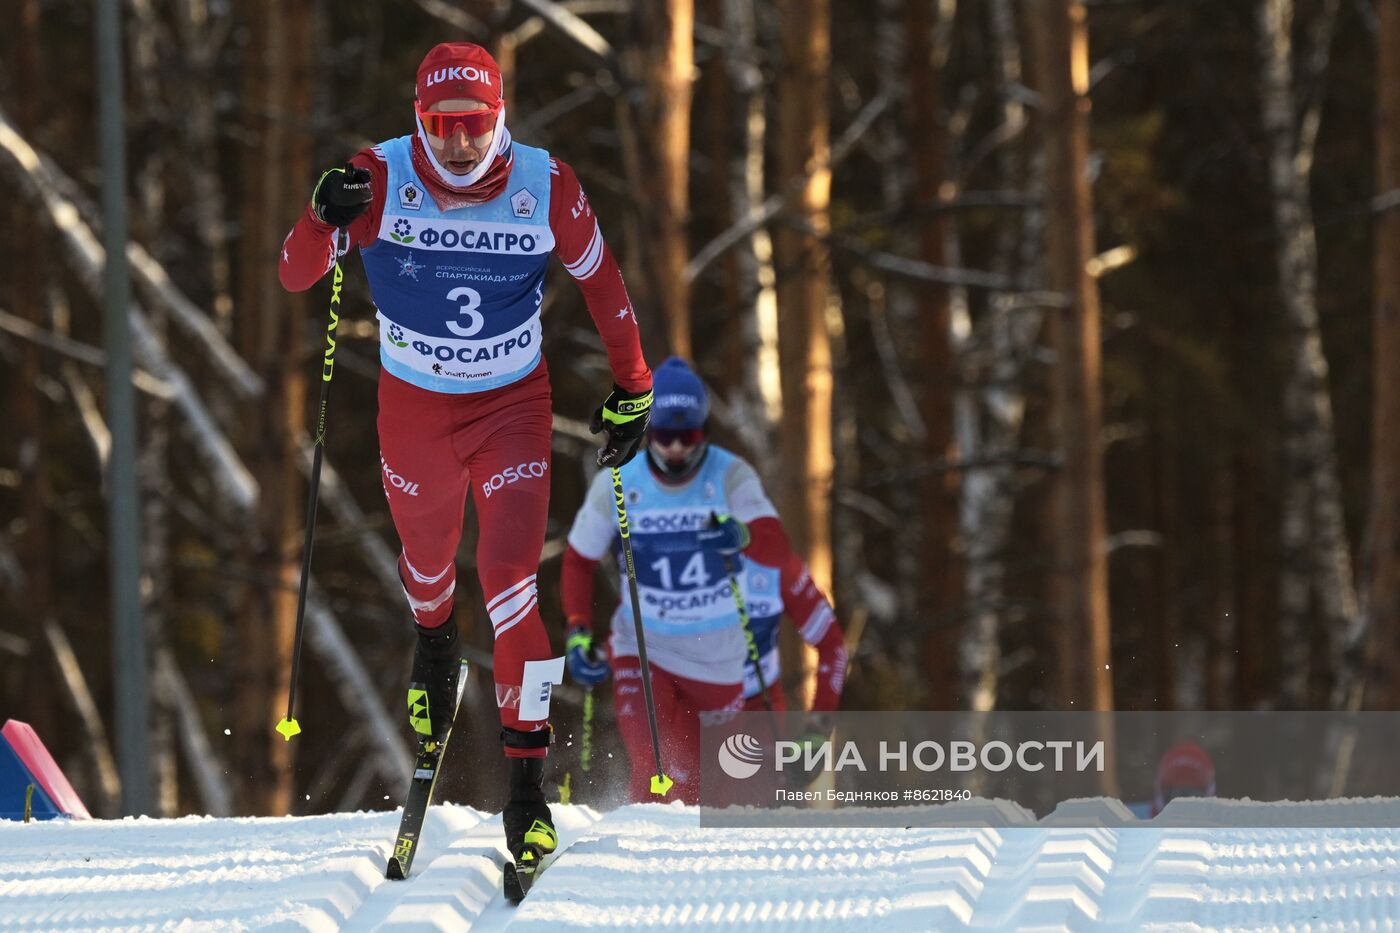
column 576, row 588
column 769, row 545
column 806, row 606
column 611, row 310
column 308, row 253
column 831, row 669
column 579, row 243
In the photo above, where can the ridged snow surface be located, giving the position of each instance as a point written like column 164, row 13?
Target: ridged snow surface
column 653, row 867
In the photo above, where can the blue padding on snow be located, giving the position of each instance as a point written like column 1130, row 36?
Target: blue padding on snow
column 14, row 778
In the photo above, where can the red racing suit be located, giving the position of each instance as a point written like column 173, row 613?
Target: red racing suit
column 439, row 439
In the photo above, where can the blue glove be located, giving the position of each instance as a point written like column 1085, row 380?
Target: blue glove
column 725, row 534
column 588, row 664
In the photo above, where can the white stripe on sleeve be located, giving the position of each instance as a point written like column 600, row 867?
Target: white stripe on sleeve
column 592, row 257
column 814, row 629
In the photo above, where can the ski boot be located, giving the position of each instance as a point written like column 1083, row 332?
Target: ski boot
column 432, row 688
column 530, row 835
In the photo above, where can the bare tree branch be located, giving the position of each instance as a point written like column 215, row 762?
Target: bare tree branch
column 1020, row 458
column 100, row 749
column 576, row 30
column 776, row 203
column 151, row 276
column 89, row 257
column 11, row 571
column 545, row 116
column 576, row 429
column 925, row 272
column 388, row 753
column 90, row 415
column 868, row 506
column 81, row 352
column 347, row 752
column 147, row 274
column 454, row 16
column 1315, row 73
column 915, row 212
column 210, row 774
column 890, row 369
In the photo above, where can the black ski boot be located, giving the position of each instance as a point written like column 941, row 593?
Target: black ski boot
column 432, row 689
column 530, row 835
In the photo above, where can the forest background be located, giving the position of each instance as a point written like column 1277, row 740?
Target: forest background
column 1063, row 334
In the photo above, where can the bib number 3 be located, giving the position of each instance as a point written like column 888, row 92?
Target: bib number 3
column 475, row 319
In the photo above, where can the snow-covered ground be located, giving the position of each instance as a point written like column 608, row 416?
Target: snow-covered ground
column 653, row 867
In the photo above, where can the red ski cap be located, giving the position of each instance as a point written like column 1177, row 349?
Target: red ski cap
column 458, row 70
column 1186, row 764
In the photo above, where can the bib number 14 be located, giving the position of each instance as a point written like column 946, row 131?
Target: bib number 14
column 692, row 575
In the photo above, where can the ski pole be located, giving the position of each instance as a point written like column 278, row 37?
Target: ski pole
column 743, row 611
column 289, row 727
column 586, row 753
column 753, row 645
column 660, row 781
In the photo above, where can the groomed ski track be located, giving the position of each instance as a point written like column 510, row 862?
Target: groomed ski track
column 652, row 867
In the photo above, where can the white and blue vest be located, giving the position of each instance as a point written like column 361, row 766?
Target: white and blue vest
column 685, row 589
column 459, row 292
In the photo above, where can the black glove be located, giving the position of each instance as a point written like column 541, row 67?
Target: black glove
column 341, row 195
column 623, row 415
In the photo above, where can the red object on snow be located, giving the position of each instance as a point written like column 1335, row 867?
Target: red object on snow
column 27, row 745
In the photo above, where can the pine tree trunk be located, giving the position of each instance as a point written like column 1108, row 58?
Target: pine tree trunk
column 665, row 62
column 156, row 598
column 1009, row 333
column 804, row 286
column 892, row 306
column 761, row 391
column 1383, row 533
column 276, row 98
column 1316, row 555
column 1225, row 626
column 202, row 30
column 153, row 458
column 1161, row 595
column 940, row 590
column 28, row 268
column 721, row 130
column 1255, row 592
column 503, row 43
column 1080, row 589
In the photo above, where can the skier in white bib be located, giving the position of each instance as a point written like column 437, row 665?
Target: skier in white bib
column 696, row 512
